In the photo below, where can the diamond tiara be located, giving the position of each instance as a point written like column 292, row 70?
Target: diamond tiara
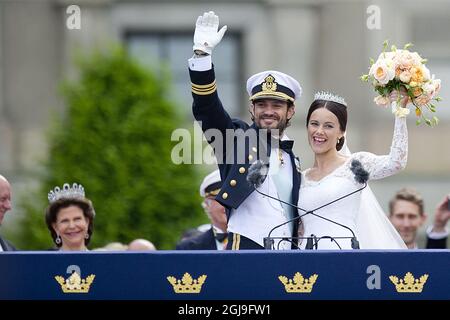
column 67, row 192
column 327, row 96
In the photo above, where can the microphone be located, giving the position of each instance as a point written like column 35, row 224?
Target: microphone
column 309, row 242
column 258, row 172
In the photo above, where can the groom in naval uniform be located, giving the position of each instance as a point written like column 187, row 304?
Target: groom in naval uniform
column 251, row 216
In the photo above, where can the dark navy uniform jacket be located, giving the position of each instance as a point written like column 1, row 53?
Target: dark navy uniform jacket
column 204, row 241
column 208, row 109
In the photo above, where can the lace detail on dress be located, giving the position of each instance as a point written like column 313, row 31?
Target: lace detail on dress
column 387, row 165
column 377, row 166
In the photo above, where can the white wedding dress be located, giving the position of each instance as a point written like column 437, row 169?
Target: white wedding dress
column 360, row 211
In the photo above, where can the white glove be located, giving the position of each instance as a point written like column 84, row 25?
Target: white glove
column 206, row 36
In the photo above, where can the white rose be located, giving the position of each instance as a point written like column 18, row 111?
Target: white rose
column 416, row 58
column 429, row 90
column 382, row 101
column 383, row 71
column 437, row 85
column 426, row 73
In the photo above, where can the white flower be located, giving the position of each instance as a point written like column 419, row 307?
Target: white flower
column 416, row 58
column 437, row 85
column 426, row 73
column 429, row 90
column 382, row 101
column 383, row 71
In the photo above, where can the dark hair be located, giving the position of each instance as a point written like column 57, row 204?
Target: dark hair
column 407, row 194
column 339, row 110
column 51, row 214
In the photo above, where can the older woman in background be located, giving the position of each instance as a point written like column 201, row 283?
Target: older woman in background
column 70, row 218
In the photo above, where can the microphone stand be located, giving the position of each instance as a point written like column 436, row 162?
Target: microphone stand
column 269, row 242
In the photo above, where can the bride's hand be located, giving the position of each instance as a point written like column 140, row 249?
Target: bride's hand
column 401, row 97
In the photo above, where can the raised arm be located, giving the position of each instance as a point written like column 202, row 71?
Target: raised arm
column 207, row 107
column 387, row 165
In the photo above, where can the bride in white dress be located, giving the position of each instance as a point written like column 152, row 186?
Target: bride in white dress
column 332, row 177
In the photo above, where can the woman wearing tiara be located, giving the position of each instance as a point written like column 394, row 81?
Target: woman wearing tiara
column 356, row 220
column 70, row 218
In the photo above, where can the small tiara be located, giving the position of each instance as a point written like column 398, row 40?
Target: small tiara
column 327, row 96
column 67, row 192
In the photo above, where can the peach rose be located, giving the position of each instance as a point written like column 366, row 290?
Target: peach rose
column 382, row 101
column 417, row 74
column 405, row 76
column 383, row 71
column 422, row 100
column 404, row 59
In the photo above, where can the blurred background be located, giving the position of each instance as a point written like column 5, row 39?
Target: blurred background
column 47, row 68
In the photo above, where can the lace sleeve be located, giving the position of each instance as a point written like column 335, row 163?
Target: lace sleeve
column 387, row 165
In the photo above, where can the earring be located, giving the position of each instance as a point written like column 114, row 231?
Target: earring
column 86, row 236
column 58, row 240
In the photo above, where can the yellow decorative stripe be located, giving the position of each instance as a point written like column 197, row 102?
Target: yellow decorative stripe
column 204, row 92
column 203, row 86
column 236, row 241
column 271, row 94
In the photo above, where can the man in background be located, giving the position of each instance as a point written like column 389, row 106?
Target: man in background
column 215, row 238
column 5, row 206
column 406, row 212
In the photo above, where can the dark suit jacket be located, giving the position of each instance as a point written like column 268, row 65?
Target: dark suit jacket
column 6, row 246
column 207, row 109
column 203, row 241
column 437, row 244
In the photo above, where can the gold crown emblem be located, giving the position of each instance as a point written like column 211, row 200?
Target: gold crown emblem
column 409, row 283
column 299, row 283
column 269, row 84
column 187, row 284
column 74, row 283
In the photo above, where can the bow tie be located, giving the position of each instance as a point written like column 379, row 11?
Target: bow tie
column 286, row 145
column 221, row 236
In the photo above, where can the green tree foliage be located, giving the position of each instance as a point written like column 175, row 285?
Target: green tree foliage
column 115, row 141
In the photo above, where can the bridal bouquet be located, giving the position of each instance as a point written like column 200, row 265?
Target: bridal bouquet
column 401, row 68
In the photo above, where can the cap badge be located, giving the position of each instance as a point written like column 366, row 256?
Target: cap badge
column 269, row 84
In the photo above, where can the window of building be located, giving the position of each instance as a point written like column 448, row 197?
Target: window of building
column 172, row 50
